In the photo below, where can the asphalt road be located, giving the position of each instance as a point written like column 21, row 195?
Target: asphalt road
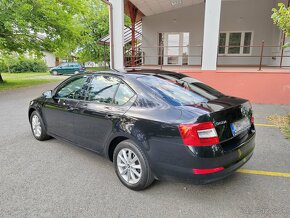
column 56, row 179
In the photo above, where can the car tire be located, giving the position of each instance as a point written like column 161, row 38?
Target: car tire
column 138, row 176
column 55, row 73
column 37, row 127
column 77, row 72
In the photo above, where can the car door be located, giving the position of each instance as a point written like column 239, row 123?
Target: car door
column 76, row 68
column 63, row 68
column 59, row 111
column 71, row 68
column 97, row 116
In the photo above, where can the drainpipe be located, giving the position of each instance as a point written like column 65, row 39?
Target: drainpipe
column 111, row 33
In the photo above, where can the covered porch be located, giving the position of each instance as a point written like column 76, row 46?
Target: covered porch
column 199, row 34
column 232, row 45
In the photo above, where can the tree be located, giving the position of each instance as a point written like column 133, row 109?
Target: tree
column 281, row 18
column 62, row 27
column 96, row 25
column 37, row 25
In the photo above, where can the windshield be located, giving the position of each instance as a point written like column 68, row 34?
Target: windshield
column 175, row 93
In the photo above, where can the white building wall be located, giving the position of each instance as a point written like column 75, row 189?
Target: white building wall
column 49, row 59
column 188, row 19
column 242, row 15
column 249, row 15
column 286, row 60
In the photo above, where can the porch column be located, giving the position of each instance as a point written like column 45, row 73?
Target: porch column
column 133, row 15
column 117, row 34
column 211, row 34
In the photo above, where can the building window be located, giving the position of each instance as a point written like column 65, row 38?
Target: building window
column 174, row 48
column 235, row 43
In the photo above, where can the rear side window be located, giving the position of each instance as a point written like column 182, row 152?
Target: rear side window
column 123, row 95
column 173, row 93
column 103, row 89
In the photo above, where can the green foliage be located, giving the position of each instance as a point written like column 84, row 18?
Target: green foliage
column 63, row 27
column 34, row 25
column 281, row 18
column 21, row 64
column 96, row 26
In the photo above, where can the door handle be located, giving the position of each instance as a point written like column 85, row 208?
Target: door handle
column 111, row 116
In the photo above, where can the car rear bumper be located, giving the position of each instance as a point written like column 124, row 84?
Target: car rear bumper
column 230, row 161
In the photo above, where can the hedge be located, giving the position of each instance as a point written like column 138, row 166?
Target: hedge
column 21, row 65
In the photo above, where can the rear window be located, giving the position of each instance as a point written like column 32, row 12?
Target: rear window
column 174, row 93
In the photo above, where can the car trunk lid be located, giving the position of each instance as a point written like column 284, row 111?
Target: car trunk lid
column 231, row 116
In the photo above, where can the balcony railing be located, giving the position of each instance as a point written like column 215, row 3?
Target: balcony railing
column 255, row 56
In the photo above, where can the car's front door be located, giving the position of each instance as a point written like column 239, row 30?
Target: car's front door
column 59, row 111
column 63, row 68
column 75, row 68
column 71, row 68
column 97, row 116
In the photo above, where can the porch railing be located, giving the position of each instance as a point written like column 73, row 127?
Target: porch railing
column 255, row 56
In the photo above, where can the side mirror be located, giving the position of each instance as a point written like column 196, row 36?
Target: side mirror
column 47, row 94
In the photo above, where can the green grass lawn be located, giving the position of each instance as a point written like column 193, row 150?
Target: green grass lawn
column 18, row 80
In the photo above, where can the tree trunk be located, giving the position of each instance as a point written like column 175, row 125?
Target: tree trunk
column 1, row 80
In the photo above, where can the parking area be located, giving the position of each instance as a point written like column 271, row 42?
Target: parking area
column 56, row 179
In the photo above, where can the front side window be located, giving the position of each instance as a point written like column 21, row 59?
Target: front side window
column 64, row 65
column 235, row 43
column 74, row 89
column 103, row 89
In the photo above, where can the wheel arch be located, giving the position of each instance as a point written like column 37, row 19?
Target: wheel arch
column 30, row 111
column 113, row 144
column 117, row 138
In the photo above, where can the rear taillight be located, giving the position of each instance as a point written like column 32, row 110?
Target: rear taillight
column 252, row 120
column 198, row 134
column 82, row 68
column 207, row 171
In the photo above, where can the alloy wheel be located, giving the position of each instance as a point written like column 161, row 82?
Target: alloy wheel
column 36, row 126
column 129, row 166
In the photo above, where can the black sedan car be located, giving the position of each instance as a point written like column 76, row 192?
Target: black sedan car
column 151, row 124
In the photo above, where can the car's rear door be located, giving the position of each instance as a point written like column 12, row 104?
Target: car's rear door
column 64, row 68
column 59, row 111
column 108, row 99
column 74, row 68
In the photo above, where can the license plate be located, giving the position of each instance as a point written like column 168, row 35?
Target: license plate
column 240, row 126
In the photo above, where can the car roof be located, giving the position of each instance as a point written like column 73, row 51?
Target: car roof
column 136, row 73
column 70, row 63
